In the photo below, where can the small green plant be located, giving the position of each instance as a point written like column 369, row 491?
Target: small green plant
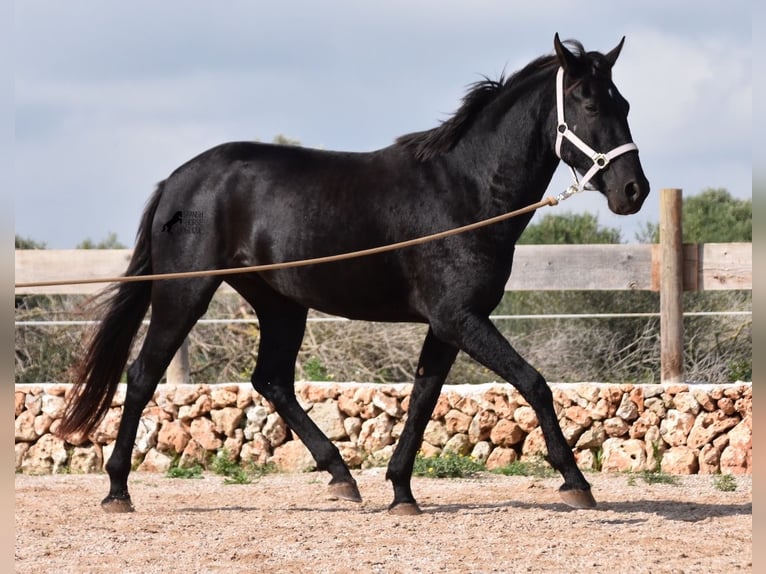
column 725, row 483
column 536, row 467
column 177, row 471
column 657, row 455
column 238, row 473
column 598, row 460
column 740, row 370
column 653, row 477
column 447, row 465
column 659, row 478
column 223, row 465
column 314, row 370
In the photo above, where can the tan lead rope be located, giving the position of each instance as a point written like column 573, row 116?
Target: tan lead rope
column 548, row 201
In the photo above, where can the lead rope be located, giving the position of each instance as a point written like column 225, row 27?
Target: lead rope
column 548, row 201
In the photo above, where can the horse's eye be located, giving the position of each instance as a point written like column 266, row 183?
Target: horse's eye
column 591, row 108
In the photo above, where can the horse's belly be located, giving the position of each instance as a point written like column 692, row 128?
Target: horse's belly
column 364, row 292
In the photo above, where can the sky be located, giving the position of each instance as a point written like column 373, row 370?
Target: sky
column 111, row 97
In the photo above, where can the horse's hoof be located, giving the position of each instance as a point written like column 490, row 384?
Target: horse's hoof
column 112, row 505
column 405, row 509
column 344, row 491
column 577, row 498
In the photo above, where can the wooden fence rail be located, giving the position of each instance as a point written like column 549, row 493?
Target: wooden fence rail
column 634, row 267
column 668, row 267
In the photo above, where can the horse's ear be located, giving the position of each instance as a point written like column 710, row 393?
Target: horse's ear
column 611, row 57
column 569, row 61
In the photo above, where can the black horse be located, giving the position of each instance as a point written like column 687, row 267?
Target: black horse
column 268, row 203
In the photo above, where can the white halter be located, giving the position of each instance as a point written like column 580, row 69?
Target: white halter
column 600, row 160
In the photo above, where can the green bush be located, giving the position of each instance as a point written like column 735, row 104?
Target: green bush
column 447, row 465
column 238, row 472
column 176, row 471
column 538, row 468
column 725, row 483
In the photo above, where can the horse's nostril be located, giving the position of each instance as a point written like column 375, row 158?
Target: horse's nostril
column 633, row 191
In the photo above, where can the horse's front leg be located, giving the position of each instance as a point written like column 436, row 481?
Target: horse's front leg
column 436, row 359
column 479, row 338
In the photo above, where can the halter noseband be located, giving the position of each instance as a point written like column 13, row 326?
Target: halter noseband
column 600, row 160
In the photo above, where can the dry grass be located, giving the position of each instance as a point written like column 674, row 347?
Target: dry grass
column 718, row 349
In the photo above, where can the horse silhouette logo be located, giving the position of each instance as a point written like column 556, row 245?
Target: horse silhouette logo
column 177, row 217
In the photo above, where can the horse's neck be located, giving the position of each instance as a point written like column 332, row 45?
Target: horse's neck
column 513, row 163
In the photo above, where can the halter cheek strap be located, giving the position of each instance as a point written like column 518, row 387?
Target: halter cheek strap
column 600, row 160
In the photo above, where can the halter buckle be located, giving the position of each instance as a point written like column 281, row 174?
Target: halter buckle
column 568, row 192
column 601, row 160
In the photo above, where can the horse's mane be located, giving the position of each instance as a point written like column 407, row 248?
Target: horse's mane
column 429, row 143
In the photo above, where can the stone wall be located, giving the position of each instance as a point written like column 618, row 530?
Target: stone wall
column 681, row 429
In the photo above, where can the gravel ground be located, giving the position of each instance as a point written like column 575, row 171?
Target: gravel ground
column 285, row 523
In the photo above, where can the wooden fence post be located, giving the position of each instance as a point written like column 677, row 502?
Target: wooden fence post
column 671, row 287
column 178, row 370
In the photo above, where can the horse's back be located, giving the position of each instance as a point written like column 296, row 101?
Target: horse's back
column 247, row 203
column 255, row 204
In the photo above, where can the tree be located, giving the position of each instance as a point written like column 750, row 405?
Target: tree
column 27, row 243
column 649, row 232
column 110, row 242
column 569, row 228
column 282, row 139
column 713, row 216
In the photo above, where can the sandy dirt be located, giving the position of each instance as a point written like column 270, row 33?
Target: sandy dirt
column 285, row 523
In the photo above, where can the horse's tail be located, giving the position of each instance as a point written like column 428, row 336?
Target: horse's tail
column 99, row 371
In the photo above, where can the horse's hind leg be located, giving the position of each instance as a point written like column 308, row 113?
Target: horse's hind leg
column 282, row 324
column 436, row 359
column 176, row 306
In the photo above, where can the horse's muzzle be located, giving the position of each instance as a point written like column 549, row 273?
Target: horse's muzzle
column 630, row 198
